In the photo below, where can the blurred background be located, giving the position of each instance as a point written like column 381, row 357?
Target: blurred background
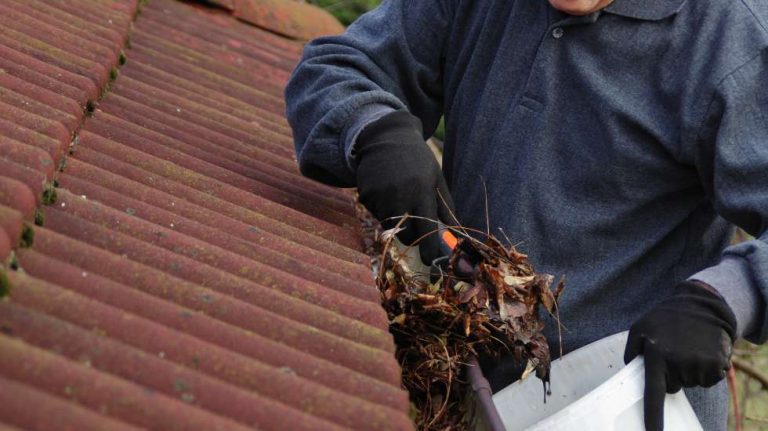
column 346, row 11
column 750, row 361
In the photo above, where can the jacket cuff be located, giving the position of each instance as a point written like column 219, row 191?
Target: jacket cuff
column 366, row 115
column 731, row 278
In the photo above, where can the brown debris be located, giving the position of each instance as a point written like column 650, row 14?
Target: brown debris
column 486, row 302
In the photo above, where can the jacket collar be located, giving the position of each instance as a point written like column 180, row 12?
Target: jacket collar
column 651, row 10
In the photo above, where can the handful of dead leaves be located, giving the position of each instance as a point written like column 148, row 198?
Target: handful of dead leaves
column 485, row 301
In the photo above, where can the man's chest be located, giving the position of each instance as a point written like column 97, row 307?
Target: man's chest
column 600, row 90
column 576, row 107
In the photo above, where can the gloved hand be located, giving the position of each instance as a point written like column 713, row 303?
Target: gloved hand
column 397, row 174
column 686, row 341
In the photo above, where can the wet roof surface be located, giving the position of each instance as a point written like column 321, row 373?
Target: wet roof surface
column 185, row 275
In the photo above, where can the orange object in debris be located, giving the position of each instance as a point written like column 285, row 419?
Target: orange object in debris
column 449, row 239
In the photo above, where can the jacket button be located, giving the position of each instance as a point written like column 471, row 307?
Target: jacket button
column 558, row 32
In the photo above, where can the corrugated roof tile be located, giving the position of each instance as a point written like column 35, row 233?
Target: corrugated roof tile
column 228, row 33
column 55, row 122
column 187, row 276
column 341, row 299
column 269, row 68
column 318, row 235
column 218, row 386
column 256, row 96
column 48, row 75
column 61, row 136
column 104, row 392
column 61, row 36
column 312, row 266
column 223, row 70
column 225, row 392
column 15, row 131
column 68, row 59
column 234, row 168
column 49, row 411
column 5, row 246
column 234, row 344
column 132, row 97
column 11, row 222
column 17, row 195
column 194, row 92
column 26, row 154
column 31, row 178
column 108, row 14
column 70, row 108
column 207, row 288
column 164, row 209
column 74, row 25
column 294, row 19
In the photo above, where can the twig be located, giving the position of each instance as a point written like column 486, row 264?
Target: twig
column 487, row 215
column 509, row 242
column 559, row 328
column 448, row 388
column 757, row 419
column 458, row 230
column 735, row 397
column 455, row 220
column 750, row 371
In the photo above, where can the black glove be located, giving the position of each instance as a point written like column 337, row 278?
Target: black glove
column 397, row 174
column 686, row 341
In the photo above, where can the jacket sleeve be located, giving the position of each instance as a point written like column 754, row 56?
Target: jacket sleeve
column 732, row 159
column 389, row 59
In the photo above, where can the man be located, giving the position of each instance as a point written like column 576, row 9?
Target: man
column 618, row 142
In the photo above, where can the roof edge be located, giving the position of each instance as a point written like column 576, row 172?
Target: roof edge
column 291, row 18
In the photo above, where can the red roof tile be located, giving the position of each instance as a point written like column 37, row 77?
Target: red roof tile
column 47, row 75
column 187, row 276
column 17, row 195
column 31, row 178
column 25, row 154
column 294, row 19
column 16, row 399
column 11, row 222
column 5, row 247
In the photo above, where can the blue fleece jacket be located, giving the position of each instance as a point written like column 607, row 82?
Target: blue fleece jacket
column 618, row 148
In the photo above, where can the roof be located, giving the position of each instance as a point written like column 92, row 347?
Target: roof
column 294, row 19
column 181, row 273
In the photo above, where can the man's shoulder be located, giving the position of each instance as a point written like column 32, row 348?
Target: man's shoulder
column 725, row 33
column 738, row 15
